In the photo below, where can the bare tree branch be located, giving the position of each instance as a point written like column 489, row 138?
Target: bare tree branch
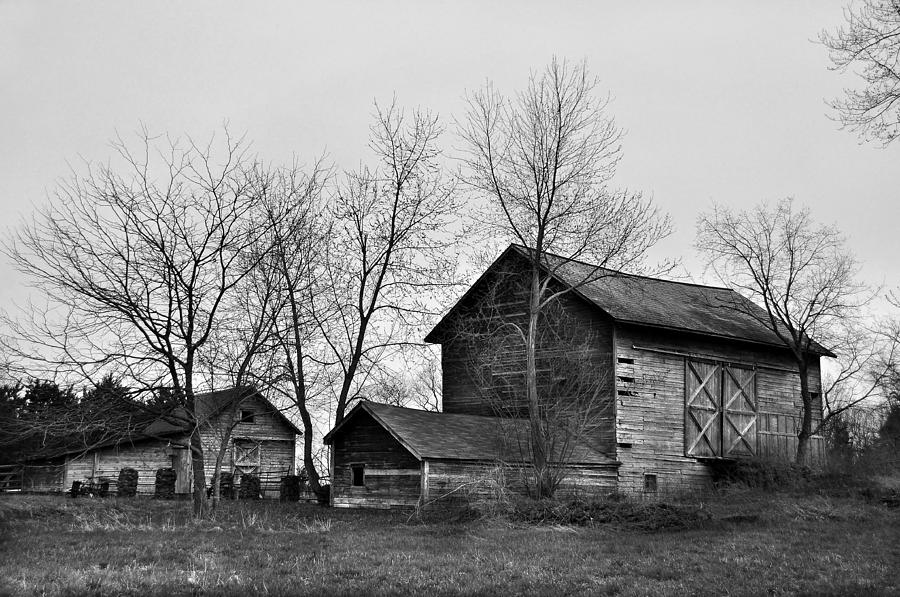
column 869, row 42
column 804, row 279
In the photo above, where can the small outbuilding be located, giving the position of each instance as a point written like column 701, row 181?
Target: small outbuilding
column 393, row 457
column 259, row 439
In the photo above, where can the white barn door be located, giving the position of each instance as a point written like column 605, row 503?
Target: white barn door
column 740, row 411
column 720, row 410
column 703, row 409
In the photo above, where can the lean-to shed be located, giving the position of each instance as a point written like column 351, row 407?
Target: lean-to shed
column 388, row 456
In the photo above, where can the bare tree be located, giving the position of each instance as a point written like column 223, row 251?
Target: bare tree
column 299, row 230
column 574, row 389
column 889, row 430
column 390, row 254
column 141, row 261
column 544, row 162
column 802, row 276
column 241, row 349
column 864, row 358
column 425, row 389
column 417, row 386
column 870, row 43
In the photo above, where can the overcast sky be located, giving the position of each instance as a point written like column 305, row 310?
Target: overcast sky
column 722, row 101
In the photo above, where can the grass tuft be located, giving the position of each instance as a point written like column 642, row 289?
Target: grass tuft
column 641, row 516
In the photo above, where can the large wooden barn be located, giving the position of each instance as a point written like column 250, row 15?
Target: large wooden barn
column 678, row 375
column 260, row 441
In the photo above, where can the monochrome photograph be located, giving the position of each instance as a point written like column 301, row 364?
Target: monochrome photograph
column 433, row 298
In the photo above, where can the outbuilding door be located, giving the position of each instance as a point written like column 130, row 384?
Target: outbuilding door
column 247, row 457
column 720, row 410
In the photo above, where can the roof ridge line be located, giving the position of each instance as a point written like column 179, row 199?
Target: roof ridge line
column 628, row 274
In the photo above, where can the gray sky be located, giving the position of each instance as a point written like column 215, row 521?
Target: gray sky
column 722, row 101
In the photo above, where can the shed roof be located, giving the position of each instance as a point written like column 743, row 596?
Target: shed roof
column 654, row 302
column 452, row 436
column 148, row 426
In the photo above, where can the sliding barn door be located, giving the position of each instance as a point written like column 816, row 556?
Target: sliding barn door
column 720, row 410
column 739, row 422
column 703, row 409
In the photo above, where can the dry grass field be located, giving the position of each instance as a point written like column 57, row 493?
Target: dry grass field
column 741, row 544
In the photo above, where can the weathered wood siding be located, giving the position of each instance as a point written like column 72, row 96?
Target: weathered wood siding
column 650, row 405
column 392, row 474
column 275, row 439
column 455, row 483
column 44, row 477
column 484, row 376
column 145, row 457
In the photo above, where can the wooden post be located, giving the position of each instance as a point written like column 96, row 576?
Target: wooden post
column 331, row 475
column 423, row 492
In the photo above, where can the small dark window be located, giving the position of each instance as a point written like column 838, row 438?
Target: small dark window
column 247, row 416
column 626, row 361
column 650, row 482
column 358, row 475
column 626, row 393
column 625, row 379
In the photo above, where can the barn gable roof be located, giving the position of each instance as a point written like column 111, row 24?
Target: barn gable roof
column 453, row 436
column 219, row 400
column 640, row 300
column 210, row 404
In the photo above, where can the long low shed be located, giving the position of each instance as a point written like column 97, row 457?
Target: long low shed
column 392, row 457
column 258, row 440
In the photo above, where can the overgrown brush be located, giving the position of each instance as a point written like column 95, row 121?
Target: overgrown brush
column 641, row 516
column 867, row 477
column 760, row 474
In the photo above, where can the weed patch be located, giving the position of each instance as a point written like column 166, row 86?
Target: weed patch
column 648, row 517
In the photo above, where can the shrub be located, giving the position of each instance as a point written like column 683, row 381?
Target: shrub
column 250, row 488
column 290, row 488
column 760, row 474
column 644, row 516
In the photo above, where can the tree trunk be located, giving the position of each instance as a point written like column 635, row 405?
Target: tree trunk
column 350, row 372
column 312, row 474
column 199, row 493
column 542, row 487
column 216, row 493
column 803, row 456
